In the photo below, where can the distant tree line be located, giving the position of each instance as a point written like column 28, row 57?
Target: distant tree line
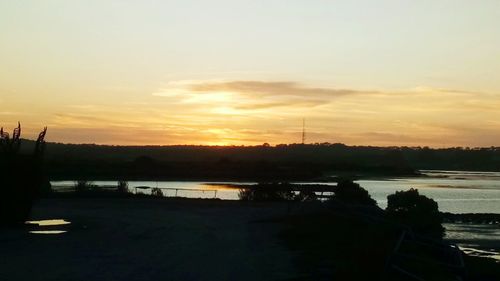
column 281, row 162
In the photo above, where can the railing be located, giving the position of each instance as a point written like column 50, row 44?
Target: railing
column 322, row 194
column 177, row 190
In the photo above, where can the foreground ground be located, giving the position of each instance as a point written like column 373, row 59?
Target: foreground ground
column 148, row 239
column 177, row 239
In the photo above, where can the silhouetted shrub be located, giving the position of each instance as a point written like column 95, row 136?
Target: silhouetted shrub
column 122, row 187
column 84, row 185
column 245, row 194
column 21, row 176
column 267, row 192
column 46, row 186
column 155, row 191
column 306, row 195
column 350, row 192
column 417, row 211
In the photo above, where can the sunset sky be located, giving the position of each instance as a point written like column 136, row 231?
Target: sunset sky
column 247, row 72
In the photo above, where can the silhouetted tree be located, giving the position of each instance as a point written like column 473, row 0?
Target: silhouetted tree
column 350, row 192
column 417, row 211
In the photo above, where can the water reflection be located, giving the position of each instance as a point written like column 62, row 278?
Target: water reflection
column 43, row 226
column 481, row 253
column 475, row 239
column 455, row 191
column 51, row 222
column 48, row 231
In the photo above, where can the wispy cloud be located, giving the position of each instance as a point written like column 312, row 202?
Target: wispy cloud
column 252, row 95
column 265, row 88
column 252, row 112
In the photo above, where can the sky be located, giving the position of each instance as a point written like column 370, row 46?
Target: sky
column 233, row 72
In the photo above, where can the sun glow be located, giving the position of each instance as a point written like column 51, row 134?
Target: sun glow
column 210, row 97
column 225, row 110
column 172, row 74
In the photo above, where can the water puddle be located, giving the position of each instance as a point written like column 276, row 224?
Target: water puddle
column 48, row 231
column 49, row 222
column 40, row 226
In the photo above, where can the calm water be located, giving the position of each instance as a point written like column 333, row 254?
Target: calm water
column 456, row 192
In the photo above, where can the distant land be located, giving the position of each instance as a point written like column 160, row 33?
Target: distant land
column 255, row 163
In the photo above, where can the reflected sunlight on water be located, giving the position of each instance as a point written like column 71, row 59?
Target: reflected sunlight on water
column 475, row 239
column 51, row 222
column 223, row 186
column 481, row 253
column 48, row 231
column 40, row 226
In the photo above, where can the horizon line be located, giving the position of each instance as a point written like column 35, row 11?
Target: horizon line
column 265, row 144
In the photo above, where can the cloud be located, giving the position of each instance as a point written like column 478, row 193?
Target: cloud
column 305, row 103
column 265, row 88
column 251, row 95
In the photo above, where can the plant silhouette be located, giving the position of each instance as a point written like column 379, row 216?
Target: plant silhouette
column 417, row 211
column 22, row 177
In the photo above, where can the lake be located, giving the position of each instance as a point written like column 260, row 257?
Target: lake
column 455, row 191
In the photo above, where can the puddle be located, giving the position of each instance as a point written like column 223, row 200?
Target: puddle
column 40, row 226
column 48, row 231
column 49, row 222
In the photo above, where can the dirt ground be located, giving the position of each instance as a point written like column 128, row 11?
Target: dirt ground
column 148, row 239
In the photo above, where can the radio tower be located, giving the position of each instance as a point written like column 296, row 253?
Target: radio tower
column 303, row 130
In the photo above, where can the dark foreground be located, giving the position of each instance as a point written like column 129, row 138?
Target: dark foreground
column 176, row 239
column 148, row 239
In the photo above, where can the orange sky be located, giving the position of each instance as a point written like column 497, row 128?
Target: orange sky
column 247, row 72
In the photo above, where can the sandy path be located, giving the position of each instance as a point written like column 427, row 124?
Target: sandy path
column 146, row 239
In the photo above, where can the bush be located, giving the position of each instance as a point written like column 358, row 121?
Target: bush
column 155, row 191
column 349, row 192
column 83, row 185
column 306, row 196
column 46, row 186
column 21, row 177
column 122, row 187
column 417, row 211
column 267, row 192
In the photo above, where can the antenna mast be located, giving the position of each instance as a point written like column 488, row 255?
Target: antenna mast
column 303, row 130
